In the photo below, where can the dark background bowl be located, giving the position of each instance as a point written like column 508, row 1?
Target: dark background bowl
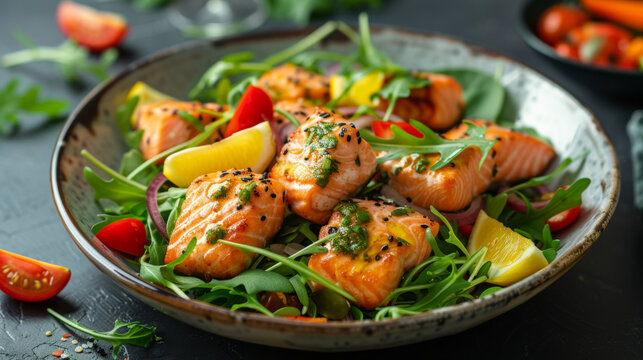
column 610, row 81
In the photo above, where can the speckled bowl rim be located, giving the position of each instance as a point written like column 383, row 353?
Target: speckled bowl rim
column 144, row 289
column 541, row 47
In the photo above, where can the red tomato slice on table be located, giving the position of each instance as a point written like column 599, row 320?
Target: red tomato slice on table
column 93, row 29
column 383, row 129
column 125, row 235
column 254, row 107
column 27, row 279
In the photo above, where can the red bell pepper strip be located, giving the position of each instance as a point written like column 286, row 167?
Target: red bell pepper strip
column 254, row 107
column 383, row 129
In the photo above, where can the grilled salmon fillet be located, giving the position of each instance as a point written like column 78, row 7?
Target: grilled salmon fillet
column 235, row 205
column 450, row 188
column 324, row 161
column 299, row 109
column 517, row 155
column 291, row 82
column 163, row 128
column 372, row 269
column 438, row 105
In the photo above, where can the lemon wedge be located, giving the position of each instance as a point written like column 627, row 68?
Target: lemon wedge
column 361, row 91
column 250, row 148
column 513, row 257
column 146, row 95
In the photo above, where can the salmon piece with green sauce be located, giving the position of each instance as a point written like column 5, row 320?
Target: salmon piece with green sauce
column 375, row 244
column 236, row 205
column 438, row 105
column 163, row 128
column 291, row 82
column 517, row 155
column 323, row 162
column 450, row 188
column 299, row 109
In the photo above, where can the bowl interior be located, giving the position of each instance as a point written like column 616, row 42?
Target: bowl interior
column 535, row 100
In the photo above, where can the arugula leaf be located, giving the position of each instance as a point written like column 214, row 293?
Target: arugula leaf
column 112, row 189
column 399, row 87
column 293, row 120
column 311, row 60
column 255, row 281
column 550, row 246
column 230, row 65
column 483, row 94
column 302, row 269
column 540, row 180
column 403, row 144
column 137, row 334
column 164, row 274
column 495, row 204
column 452, row 238
column 71, row 58
column 533, row 221
column 12, row 104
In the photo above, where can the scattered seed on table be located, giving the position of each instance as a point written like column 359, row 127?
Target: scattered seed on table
column 66, row 335
column 57, row 353
column 48, row 333
column 64, row 356
column 63, row 339
column 78, row 349
column 74, row 341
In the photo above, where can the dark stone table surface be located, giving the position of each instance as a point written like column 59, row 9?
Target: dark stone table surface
column 594, row 311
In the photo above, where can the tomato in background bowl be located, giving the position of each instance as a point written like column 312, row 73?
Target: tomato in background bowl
column 93, row 29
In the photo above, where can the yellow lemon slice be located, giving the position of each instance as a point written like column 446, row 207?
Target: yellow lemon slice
column 361, row 91
column 146, row 95
column 513, row 257
column 250, row 148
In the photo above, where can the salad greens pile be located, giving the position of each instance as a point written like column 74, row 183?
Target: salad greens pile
column 450, row 276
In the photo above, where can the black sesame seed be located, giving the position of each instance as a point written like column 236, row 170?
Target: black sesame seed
column 424, row 226
column 223, row 174
column 409, row 199
column 342, row 124
column 378, row 257
column 263, row 217
column 246, row 178
column 325, row 152
column 273, row 195
column 378, row 204
column 358, row 134
column 266, row 188
column 264, row 175
column 236, row 172
column 341, row 134
column 391, row 238
column 306, row 159
column 343, row 129
column 249, row 169
column 451, row 164
column 285, row 152
column 332, row 229
column 239, row 206
column 399, row 244
column 385, row 219
column 359, row 140
column 348, row 138
column 352, row 125
column 385, row 247
column 324, row 115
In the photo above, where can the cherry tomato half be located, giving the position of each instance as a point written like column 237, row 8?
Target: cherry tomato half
column 125, row 235
column 564, row 218
column 27, row 279
column 465, row 230
column 383, row 129
column 307, row 319
column 93, row 29
column 254, row 107
column 558, row 20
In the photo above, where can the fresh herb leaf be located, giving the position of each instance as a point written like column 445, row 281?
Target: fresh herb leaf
column 482, row 93
column 72, row 59
column 533, row 220
column 399, row 87
column 549, row 245
column 14, row 104
column 540, row 180
column 452, row 238
column 174, row 214
column 186, row 116
column 234, row 95
column 302, row 269
column 490, row 290
column 403, row 144
column 495, row 204
column 137, row 334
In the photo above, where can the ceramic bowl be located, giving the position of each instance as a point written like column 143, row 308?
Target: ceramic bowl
column 610, row 81
column 538, row 102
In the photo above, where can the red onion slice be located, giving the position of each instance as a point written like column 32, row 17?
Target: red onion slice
column 152, row 204
column 466, row 217
column 515, row 203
